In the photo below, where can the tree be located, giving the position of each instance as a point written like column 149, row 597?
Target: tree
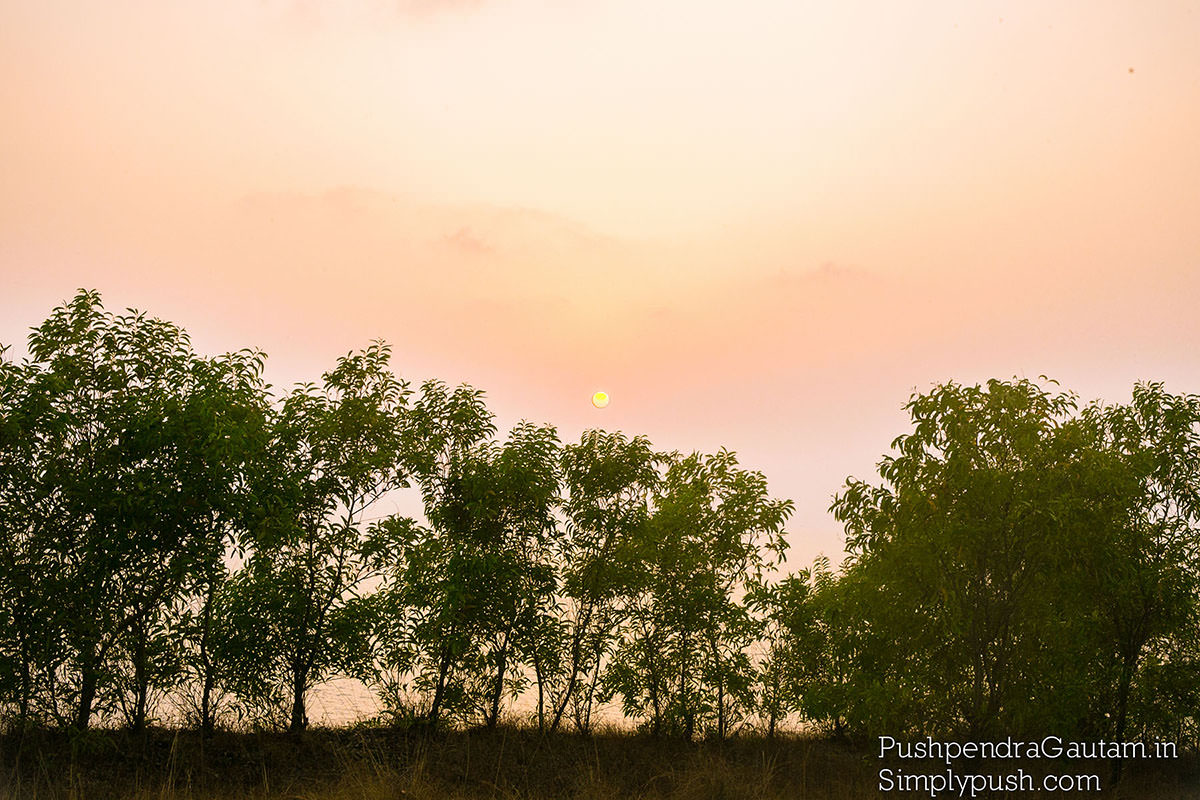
column 30, row 650
column 796, row 642
column 429, row 596
column 229, row 418
column 683, row 661
column 1149, row 588
column 478, row 582
column 210, row 664
column 958, row 548
column 520, row 493
column 608, row 479
column 1019, row 561
column 816, row 654
column 335, row 450
column 129, row 447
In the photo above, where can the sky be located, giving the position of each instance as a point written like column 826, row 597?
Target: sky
column 756, row 225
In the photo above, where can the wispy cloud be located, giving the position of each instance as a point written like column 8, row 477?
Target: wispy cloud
column 426, row 7
column 465, row 241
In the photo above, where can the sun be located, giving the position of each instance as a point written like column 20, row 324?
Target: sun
column 600, row 399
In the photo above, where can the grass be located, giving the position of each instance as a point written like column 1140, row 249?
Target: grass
column 504, row 764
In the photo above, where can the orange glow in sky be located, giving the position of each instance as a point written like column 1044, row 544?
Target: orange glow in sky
column 761, row 225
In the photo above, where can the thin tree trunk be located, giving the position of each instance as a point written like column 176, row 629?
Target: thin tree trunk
column 141, row 678
column 573, row 673
column 498, row 689
column 87, row 689
column 655, row 697
column 537, row 673
column 721, row 707
column 684, row 704
column 774, row 701
column 589, row 700
column 206, row 710
column 23, row 652
column 299, row 714
column 716, row 654
column 440, row 691
column 1128, row 664
column 654, row 700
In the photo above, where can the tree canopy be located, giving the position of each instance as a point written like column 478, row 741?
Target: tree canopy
column 176, row 540
column 1024, row 566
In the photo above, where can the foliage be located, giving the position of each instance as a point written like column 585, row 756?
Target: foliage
column 476, row 584
column 682, row 663
column 173, row 535
column 1020, row 562
column 123, row 467
column 608, row 479
column 335, row 449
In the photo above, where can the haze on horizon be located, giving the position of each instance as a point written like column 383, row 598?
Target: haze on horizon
column 759, row 227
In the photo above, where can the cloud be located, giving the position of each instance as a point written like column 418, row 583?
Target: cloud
column 428, row 7
column 310, row 16
column 465, row 241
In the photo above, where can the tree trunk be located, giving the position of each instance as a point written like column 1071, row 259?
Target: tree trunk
column 498, row 689
column 206, row 709
column 440, row 691
column 87, row 689
column 774, row 700
column 716, row 654
column 1128, row 664
column 590, row 698
column 721, row 707
column 656, row 700
column 573, row 674
column 26, row 689
column 24, row 647
column 299, row 685
column 141, row 679
column 537, row 673
column 684, row 705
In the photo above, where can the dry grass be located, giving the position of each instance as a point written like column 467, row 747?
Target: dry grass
column 506, row 764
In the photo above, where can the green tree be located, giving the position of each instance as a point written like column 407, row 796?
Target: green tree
column 796, row 646
column 958, row 549
column 228, row 419
column 477, row 584
column 209, row 669
column 682, row 663
column 608, row 479
column 815, row 647
column 131, row 449
column 30, row 649
column 1149, row 588
column 432, row 595
column 1020, row 561
column 524, row 479
column 335, row 450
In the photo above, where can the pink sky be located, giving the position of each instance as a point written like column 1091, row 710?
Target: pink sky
column 756, row 225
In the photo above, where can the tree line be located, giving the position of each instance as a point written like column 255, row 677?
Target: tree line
column 171, row 530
